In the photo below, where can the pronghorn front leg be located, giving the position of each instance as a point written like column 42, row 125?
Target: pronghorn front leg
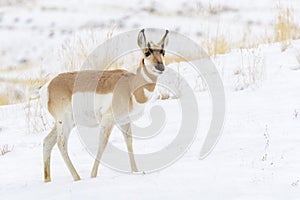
column 126, row 130
column 106, row 127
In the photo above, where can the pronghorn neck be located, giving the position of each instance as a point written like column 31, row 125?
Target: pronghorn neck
column 144, row 84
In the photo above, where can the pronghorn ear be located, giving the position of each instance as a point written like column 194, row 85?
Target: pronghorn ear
column 164, row 40
column 141, row 40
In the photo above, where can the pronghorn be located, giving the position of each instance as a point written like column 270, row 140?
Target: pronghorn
column 59, row 93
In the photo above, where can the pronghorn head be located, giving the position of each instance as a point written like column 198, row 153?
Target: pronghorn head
column 153, row 53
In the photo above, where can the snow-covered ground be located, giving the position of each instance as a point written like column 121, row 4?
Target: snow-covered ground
column 257, row 156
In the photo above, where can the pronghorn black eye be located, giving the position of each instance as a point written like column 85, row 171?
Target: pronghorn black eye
column 162, row 52
column 147, row 53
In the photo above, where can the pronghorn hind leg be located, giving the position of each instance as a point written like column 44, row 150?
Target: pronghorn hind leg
column 106, row 127
column 126, row 130
column 49, row 141
column 64, row 129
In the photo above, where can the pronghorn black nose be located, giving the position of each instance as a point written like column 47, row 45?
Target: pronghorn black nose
column 160, row 67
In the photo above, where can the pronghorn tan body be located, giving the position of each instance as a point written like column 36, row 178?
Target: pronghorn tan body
column 67, row 95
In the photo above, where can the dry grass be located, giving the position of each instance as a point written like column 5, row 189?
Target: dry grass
column 3, row 100
column 251, row 71
column 285, row 28
column 218, row 44
column 214, row 9
column 298, row 56
column 37, row 119
column 77, row 49
column 73, row 53
column 22, row 66
column 173, row 59
column 11, row 93
column 6, row 149
column 163, row 94
column 17, row 90
column 25, row 82
column 26, row 90
column 251, row 41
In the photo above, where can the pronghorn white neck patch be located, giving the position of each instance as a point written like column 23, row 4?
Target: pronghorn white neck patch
column 147, row 78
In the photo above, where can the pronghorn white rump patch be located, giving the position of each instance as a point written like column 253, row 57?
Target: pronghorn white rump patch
column 44, row 95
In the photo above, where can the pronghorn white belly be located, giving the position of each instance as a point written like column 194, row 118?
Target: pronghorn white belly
column 88, row 108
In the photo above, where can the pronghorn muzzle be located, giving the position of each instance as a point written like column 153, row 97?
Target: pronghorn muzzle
column 160, row 67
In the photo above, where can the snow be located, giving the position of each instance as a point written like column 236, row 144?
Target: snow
column 257, row 156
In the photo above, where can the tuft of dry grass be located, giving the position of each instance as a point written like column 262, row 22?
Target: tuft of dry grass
column 11, row 93
column 217, row 45
column 298, row 56
column 77, row 49
column 267, row 144
column 37, row 119
column 285, row 28
column 251, row 41
column 163, row 94
column 6, row 149
column 251, row 71
column 3, row 100
column 173, row 59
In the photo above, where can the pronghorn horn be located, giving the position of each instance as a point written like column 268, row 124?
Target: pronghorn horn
column 141, row 40
column 162, row 41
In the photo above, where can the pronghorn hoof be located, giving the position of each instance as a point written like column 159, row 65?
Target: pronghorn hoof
column 93, row 175
column 135, row 170
column 47, row 180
